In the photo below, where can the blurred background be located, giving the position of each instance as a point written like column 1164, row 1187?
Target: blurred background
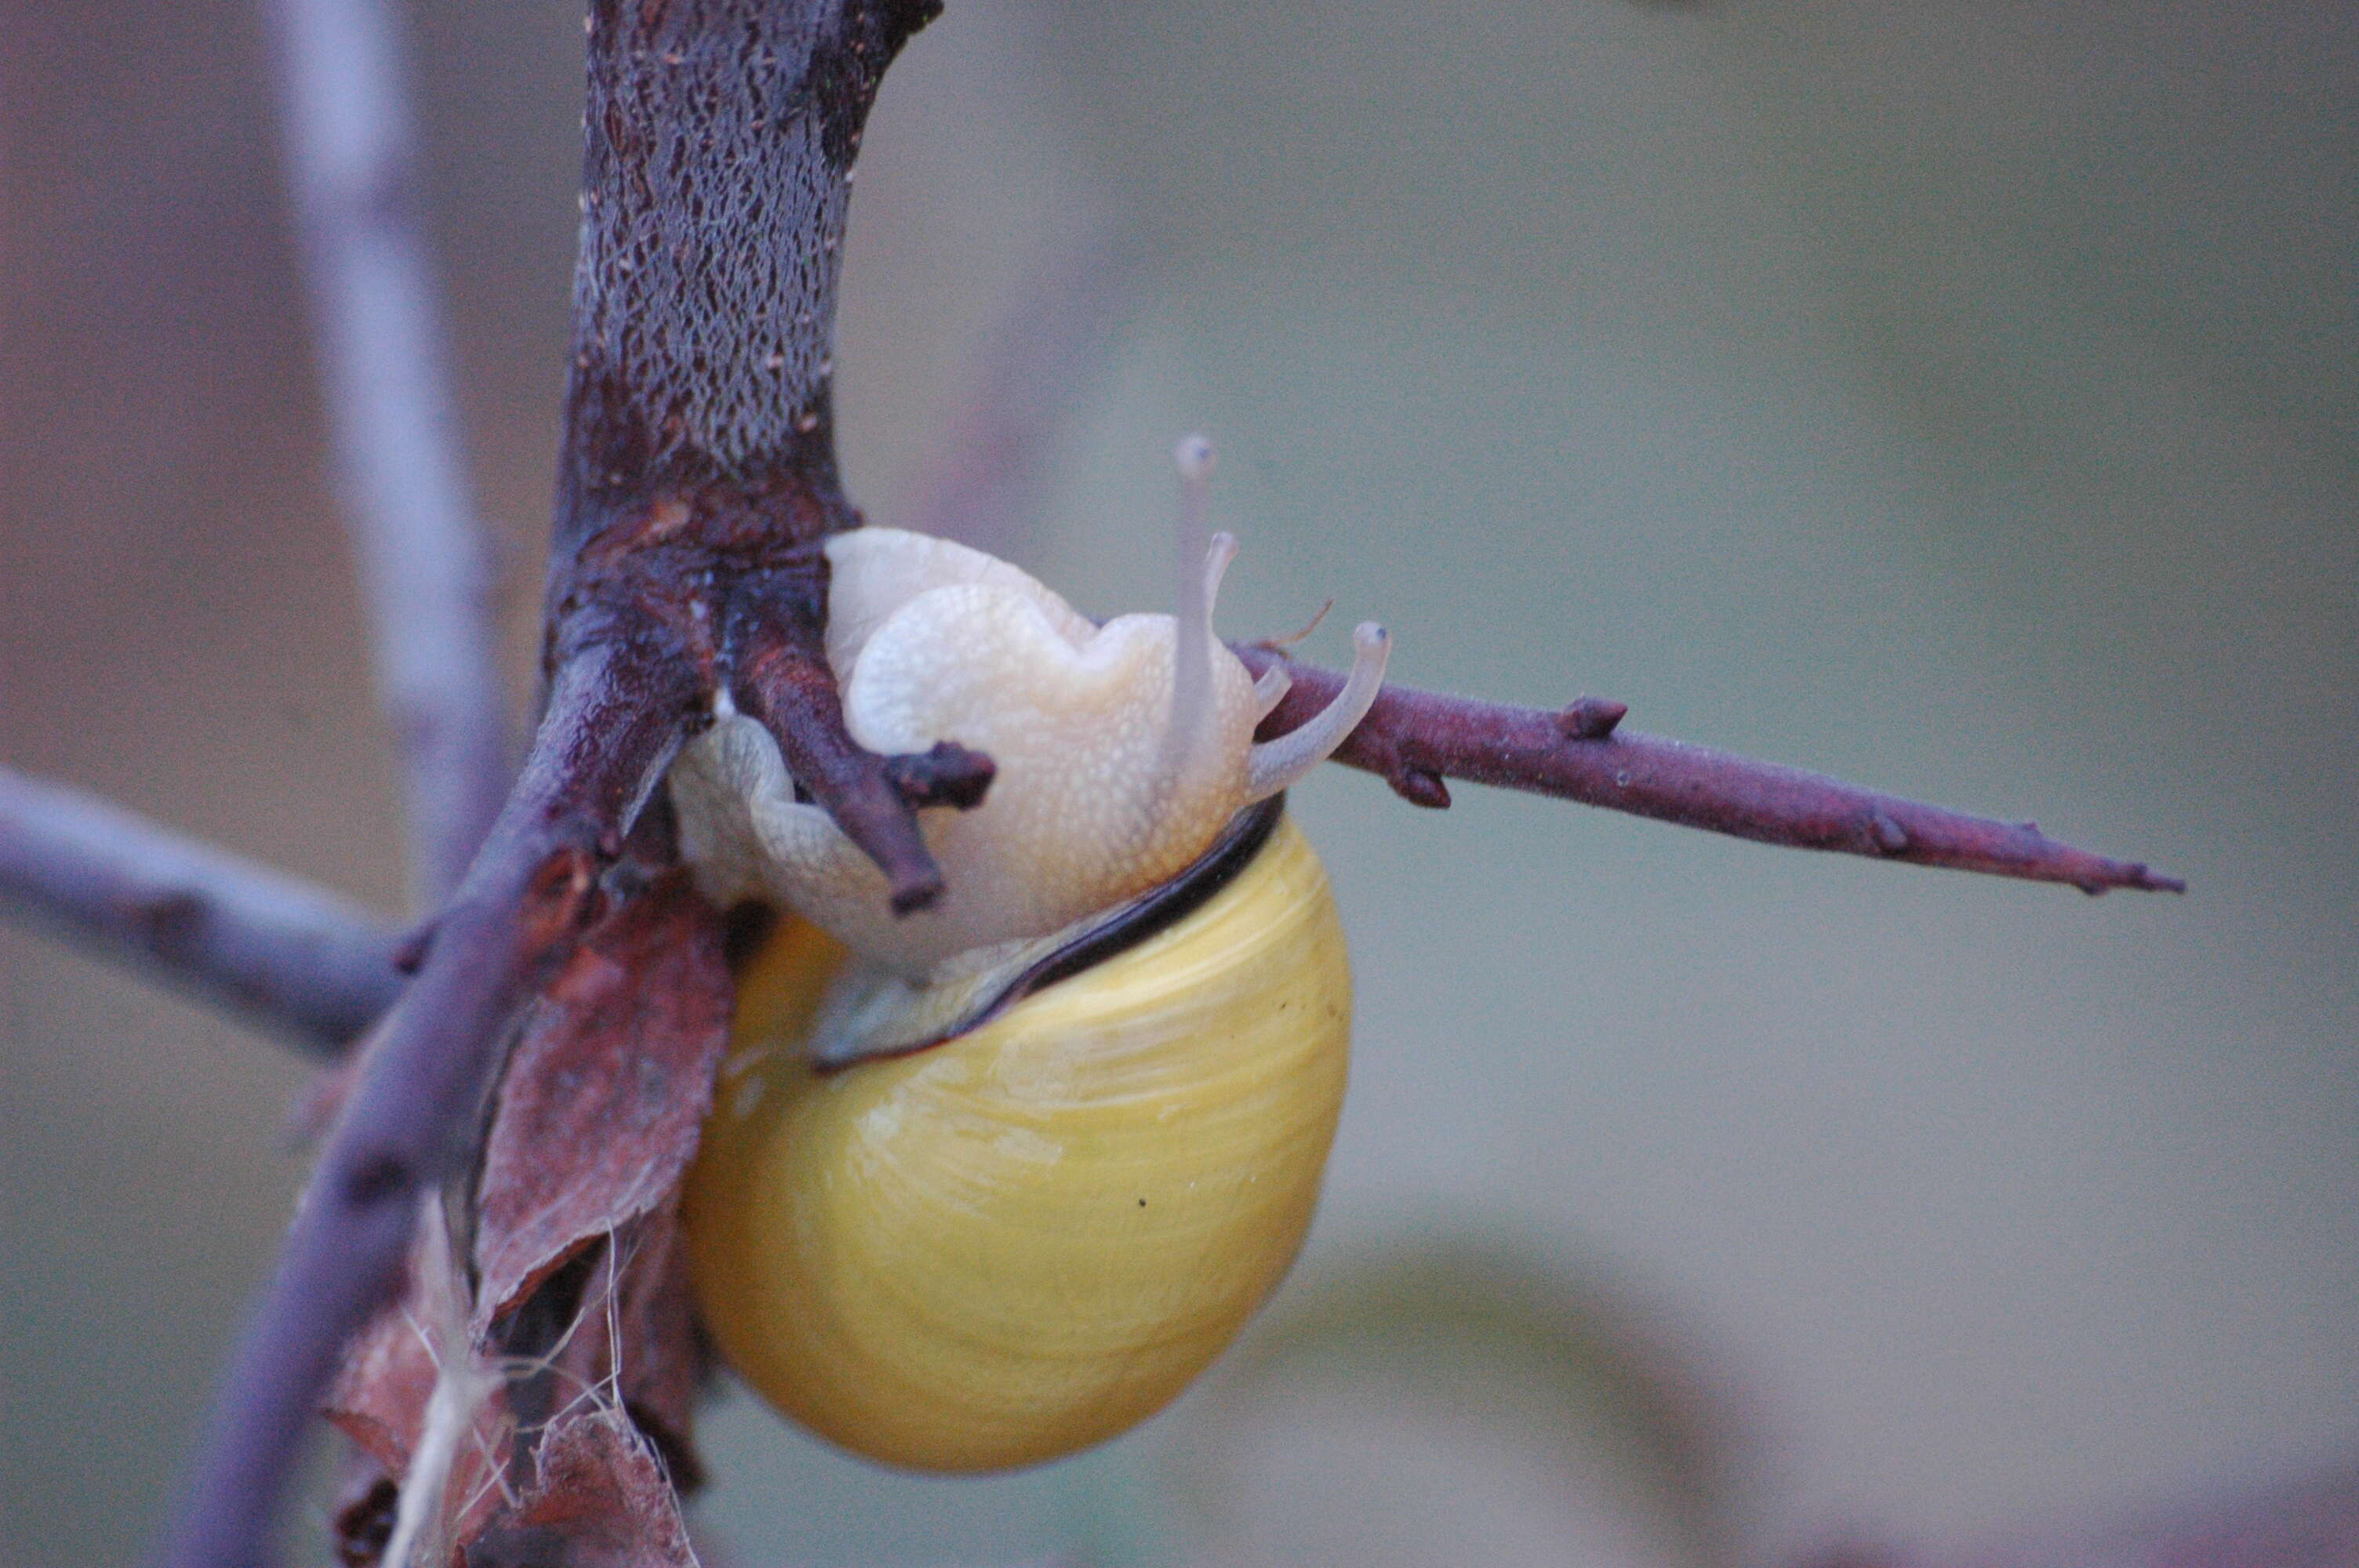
column 1961, row 400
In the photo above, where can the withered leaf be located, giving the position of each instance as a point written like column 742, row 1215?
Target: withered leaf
column 606, row 1090
column 581, row 1302
column 637, row 1334
column 379, row 1397
column 380, row 1401
column 600, row 1502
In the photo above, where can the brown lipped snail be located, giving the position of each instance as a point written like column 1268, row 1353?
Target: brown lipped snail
column 992, row 1183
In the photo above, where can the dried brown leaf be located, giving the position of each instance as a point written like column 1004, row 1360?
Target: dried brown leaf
column 597, row 1119
column 637, row 1337
column 606, row 1091
column 380, row 1401
column 379, row 1397
column 601, row 1501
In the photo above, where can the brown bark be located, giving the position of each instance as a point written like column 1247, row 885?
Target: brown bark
column 698, row 476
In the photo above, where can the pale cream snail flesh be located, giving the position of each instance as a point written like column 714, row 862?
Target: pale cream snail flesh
column 998, row 1183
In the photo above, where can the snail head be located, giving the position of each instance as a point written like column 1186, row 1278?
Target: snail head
column 1122, row 749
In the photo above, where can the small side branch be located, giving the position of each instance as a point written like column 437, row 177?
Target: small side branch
column 784, row 683
column 284, row 954
column 615, row 714
column 2309, row 1522
column 422, row 553
column 947, row 773
column 1415, row 740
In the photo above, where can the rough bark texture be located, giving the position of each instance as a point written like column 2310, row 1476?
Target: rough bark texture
column 698, row 472
column 716, row 175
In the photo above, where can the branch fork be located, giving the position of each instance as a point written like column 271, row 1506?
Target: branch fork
column 741, row 599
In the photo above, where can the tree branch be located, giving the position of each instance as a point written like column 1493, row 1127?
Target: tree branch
column 1415, row 740
column 979, row 487
column 700, row 451
column 283, row 954
column 617, row 709
column 422, row 552
column 698, row 476
column 717, row 152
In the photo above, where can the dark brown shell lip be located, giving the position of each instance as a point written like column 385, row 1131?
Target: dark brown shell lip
column 1145, row 917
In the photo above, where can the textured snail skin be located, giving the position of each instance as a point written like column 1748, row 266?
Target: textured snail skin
column 1118, row 760
column 1026, row 1239
column 1093, row 803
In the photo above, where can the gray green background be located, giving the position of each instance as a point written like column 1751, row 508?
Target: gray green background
column 1961, row 399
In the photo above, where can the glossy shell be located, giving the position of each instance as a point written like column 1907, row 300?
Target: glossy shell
column 1029, row 1238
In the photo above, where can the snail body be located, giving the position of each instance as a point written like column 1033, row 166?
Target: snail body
column 1123, row 750
column 1023, row 1241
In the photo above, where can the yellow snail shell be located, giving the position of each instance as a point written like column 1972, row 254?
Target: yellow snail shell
column 1003, row 1248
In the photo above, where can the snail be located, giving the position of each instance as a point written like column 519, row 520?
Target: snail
column 992, row 1183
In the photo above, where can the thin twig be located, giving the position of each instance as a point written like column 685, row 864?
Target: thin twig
column 947, row 773
column 614, row 718
column 2309, row 1522
column 983, row 486
column 281, row 953
column 423, row 551
column 1415, row 740
column 786, row 685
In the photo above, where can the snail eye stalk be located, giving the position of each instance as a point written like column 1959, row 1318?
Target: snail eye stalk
column 1274, row 766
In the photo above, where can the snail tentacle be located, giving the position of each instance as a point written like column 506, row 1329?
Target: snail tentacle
column 1198, row 562
column 1269, row 689
column 1192, row 734
column 1274, row 765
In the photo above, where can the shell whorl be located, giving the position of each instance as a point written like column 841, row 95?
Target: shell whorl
column 1026, row 1239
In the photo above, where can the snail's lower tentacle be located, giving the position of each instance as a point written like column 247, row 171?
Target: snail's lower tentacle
column 1274, row 765
column 1269, row 689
